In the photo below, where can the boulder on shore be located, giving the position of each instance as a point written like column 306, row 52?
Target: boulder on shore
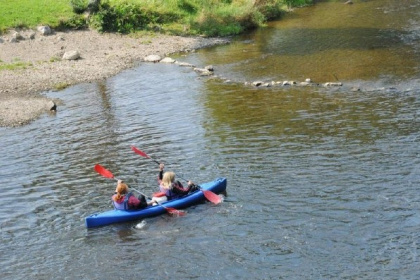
column 71, row 55
column 153, row 58
column 44, row 30
column 168, row 60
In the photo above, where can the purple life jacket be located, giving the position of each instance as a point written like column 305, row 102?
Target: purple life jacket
column 123, row 205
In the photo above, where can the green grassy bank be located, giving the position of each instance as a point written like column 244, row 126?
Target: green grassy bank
column 181, row 17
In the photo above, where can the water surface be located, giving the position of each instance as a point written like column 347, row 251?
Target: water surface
column 322, row 183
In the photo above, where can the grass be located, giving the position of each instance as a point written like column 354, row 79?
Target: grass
column 30, row 13
column 61, row 86
column 54, row 59
column 16, row 64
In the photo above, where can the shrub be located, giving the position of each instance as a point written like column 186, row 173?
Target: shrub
column 79, row 6
column 93, row 6
column 76, row 22
column 188, row 6
column 123, row 18
column 212, row 25
column 297, row 3
column 230, row 19
column 271, row 9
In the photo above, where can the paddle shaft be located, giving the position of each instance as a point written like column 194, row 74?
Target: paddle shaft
column 143, row 154
column 140, row 193
column 108, row 174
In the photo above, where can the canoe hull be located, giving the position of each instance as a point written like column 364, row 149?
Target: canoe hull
column 118, row 216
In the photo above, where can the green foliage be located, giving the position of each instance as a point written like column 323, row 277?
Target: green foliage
column 123, row 18
column 93, row 6
column 188, row 6
column 297, row 3
column 228, row 19
column 271, row 9
column 207, row 17
column 76, row 22
column 127, row 17
column 79, row 6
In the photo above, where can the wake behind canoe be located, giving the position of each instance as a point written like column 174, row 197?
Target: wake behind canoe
column 118, row 216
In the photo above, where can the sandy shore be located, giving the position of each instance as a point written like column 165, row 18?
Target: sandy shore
column 102, row 56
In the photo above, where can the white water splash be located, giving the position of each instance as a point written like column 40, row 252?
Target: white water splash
column 141, row 225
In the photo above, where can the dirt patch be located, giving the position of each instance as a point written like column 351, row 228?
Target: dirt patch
column 40, row 67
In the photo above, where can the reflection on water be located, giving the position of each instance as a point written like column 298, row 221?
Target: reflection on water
column 299, row 113
column 322, row 184
column 370, row 40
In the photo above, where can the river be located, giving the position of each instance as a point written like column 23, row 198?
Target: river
column 323, row 182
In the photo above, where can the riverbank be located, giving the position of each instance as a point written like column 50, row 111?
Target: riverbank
column 40, row 67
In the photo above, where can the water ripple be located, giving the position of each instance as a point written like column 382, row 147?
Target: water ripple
column 323, row 181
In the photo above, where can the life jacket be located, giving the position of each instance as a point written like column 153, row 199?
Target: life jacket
column 168, row 192
column 122, row 204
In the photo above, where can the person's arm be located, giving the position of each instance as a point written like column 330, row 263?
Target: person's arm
column 192, row 187
column 160, row 175
column 178, row 188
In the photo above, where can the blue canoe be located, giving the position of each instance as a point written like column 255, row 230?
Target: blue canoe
column 117, row 216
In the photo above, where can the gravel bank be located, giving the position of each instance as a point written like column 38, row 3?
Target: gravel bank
column 102, row 56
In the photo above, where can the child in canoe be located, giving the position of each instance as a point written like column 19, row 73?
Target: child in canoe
column 169, row 188
column 125, row 200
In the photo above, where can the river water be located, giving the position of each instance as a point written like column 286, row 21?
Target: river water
column 323, row 183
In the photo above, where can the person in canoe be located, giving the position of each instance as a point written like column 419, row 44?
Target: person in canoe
column 125, row 200
column 169, row 187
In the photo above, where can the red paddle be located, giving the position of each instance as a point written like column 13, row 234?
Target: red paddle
column 108, row 174
column 211, row 196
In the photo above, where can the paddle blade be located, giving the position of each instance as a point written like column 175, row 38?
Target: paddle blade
column 175, row 212
column 139, row 152
column 212, row 197
column 103, row 171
